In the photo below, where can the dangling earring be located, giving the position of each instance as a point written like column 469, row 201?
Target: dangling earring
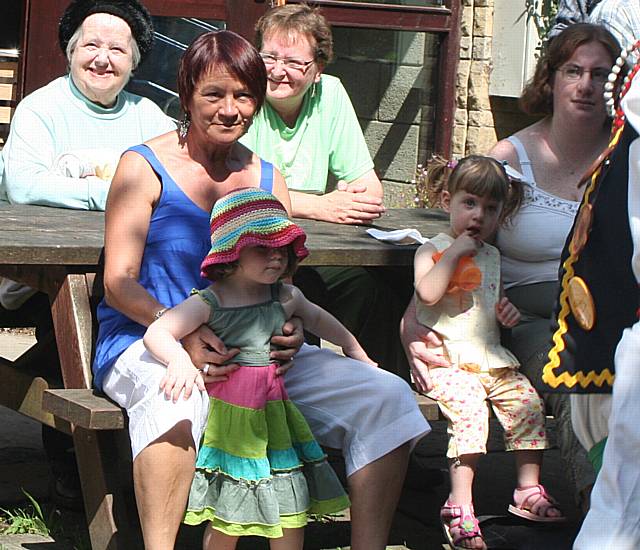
column 246, row 124
column 313, row 90
column 184, row 126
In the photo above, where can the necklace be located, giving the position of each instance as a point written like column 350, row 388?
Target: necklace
column 615, row 111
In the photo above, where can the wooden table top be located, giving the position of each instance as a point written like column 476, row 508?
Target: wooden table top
column 38, row 235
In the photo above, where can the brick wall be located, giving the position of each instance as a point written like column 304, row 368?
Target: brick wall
column 480, row 120
column 474, row 129
column 391, row 78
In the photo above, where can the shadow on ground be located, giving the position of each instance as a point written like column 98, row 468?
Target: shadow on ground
column 416, row 525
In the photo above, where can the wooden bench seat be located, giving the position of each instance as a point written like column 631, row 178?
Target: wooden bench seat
column 87, row 409
column 84, row 408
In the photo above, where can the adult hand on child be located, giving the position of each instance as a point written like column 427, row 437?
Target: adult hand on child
column 208, row 352
column 417, row 341
column 288, row 344
column 506, row 313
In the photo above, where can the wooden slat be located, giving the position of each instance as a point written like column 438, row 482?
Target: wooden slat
column 5, row 114
column 9, row 69
column 72, row 320
column 96, row 460
column 7, row 92
column 23, row 392
column 428, row 407
column 38, row 235
column 84, row 408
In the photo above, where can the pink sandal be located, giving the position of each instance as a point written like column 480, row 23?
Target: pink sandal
column 533, row 503
column 459, row 523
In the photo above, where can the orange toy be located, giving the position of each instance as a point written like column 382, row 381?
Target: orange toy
column 466, row 277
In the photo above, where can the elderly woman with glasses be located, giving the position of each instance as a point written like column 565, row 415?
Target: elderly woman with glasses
column 308, row 129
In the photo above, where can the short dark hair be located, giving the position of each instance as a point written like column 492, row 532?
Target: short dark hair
column 216, row 272
column 537, row 97
column 292, row 20
column 226, row 50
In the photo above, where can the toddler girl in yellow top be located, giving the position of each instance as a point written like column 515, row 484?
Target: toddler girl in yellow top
column 459, row 295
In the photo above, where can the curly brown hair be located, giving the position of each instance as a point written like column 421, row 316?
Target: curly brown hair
column 537, row 96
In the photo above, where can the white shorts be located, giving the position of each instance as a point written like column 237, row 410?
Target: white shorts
column 364, row 411
column 134, row 383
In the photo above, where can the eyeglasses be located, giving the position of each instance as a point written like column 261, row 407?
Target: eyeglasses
column 288, row 62
column 574, row 72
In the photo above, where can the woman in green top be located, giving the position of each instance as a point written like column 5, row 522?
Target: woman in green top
column 308, row 129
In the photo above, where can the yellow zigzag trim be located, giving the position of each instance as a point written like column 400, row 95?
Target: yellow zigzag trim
column 569, row 380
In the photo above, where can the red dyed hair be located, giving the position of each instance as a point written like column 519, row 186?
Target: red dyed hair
column 222, row 50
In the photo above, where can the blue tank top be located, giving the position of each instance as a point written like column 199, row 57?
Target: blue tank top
column 177, row 242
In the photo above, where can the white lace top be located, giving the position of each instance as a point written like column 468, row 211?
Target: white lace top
column 531, row 245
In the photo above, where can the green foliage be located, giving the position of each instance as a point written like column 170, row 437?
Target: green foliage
column 541, row 13
column 60, row 525
column 29, row 520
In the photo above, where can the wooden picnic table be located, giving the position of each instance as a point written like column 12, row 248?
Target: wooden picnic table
column 48, row 237
column 59, row 252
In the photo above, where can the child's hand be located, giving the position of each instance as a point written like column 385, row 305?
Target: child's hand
column 356, row 352
column 506, row 313
column 181, row 375
column 465, row 245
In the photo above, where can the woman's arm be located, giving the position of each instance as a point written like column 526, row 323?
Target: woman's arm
column 162, row 339
column 280, row 191
column 338, row 206
column 358, row 196
column 133, row 194
column 367, row 183
column 29, row 177
column 417, row 341
column 504, row 150
column 321, row 323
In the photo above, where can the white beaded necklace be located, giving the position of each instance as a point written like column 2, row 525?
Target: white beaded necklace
column 610, row 86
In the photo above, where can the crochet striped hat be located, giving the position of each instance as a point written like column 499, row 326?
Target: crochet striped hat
column 250, row 217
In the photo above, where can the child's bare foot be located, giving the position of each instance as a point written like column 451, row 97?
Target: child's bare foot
column 461, row 527
column 535, row 504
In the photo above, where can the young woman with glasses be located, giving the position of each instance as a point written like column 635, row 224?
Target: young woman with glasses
column 551, row 156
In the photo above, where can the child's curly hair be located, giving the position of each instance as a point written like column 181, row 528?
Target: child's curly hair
column 480, row 175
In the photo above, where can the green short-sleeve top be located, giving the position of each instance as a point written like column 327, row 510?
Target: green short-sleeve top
column 248, row 328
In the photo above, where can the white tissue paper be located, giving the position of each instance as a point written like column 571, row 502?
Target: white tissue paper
column 398, row 236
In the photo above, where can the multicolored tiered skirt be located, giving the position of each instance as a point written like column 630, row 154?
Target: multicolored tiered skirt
column 259, row 469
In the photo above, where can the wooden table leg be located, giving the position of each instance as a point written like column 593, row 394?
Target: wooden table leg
column 71, row 312
column 101, row 491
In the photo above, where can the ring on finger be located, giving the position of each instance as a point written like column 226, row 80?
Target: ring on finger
column 206, row 368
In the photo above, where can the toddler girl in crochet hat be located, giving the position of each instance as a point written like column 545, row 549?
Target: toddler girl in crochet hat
column 259, row 470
